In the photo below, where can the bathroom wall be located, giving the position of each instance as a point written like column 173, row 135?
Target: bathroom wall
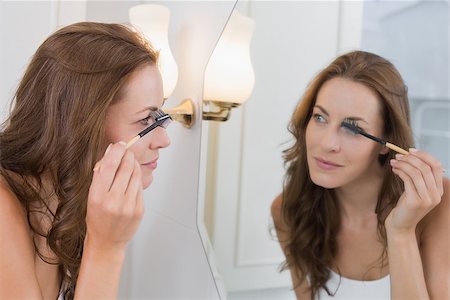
column 166, row 258
column 19, row 39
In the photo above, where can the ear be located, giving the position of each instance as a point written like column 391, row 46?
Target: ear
column 384, row 150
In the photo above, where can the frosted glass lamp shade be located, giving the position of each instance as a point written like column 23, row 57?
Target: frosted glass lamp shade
column 153, row 22
column 229, row 75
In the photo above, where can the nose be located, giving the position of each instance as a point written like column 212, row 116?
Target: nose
column 160, row 138
column 330, row 140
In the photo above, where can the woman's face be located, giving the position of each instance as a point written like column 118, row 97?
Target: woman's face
column 336, row 157
column 142, row 93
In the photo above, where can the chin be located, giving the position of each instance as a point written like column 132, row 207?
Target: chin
column 325, row 181
column 328, row 184
column 147, row 181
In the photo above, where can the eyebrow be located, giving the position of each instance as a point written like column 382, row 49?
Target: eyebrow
column 350, row 117
column 151, row 108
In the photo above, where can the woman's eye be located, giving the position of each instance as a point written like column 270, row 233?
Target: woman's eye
column 319, row 118
column 350, row 131
column 354, row 128
column 145, row 121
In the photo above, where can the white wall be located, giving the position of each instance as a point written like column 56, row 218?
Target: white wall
column 166, row 259
column 23, row 27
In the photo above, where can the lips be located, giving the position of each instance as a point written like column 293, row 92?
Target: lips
column 326, row 164
column 152, row 164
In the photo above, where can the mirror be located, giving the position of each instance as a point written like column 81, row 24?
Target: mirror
column 241, row 166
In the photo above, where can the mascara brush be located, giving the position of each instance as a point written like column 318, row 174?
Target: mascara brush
column 161, row 119
column 356, row 130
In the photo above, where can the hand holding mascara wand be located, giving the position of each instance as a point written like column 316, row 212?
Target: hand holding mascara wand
column 161, row 120
column 350, row 124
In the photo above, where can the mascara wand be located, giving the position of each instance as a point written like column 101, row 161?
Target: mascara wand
column 161, row 120
column 355, row 129
column 347, row 123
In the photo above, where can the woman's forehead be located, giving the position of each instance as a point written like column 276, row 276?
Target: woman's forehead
column 347, row 97
column 142, row 90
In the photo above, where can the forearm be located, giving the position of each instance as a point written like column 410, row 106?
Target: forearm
column 405, row 267
column 100, row 271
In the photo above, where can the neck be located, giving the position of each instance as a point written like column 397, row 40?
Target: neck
column 358, row 200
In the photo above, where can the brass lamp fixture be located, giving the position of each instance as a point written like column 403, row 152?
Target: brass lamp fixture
column 229, row 76
column 183, row 113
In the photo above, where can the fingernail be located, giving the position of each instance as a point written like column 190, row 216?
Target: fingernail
column 393, row 161
column 413, row 150
column 97, row 166
column 398, row 156
column 107, row 149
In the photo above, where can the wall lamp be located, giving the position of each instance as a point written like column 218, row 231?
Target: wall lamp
column 229, row 76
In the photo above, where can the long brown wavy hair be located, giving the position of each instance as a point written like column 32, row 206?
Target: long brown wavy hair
column 56, row 129
column 311, row 212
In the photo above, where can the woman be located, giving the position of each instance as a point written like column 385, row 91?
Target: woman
column 356, row 220
column 64, row 225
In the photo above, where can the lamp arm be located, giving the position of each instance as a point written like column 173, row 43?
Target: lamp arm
column 219, row 110
column 183, row 113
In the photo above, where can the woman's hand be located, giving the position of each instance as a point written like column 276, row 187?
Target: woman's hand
column 422, row 176
column 115, row 206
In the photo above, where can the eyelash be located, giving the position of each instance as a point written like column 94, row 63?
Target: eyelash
column 144, row 121
column 353, row 123
column 317, row 116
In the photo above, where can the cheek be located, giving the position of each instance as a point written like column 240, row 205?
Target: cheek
column 138, row 150
column 361, row 155
column 147, row 180
column 311, row 136
column 115, row 133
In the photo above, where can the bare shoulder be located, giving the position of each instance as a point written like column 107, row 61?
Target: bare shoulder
column 9, row 204
column 16, row 248
column 280, row 226
column 276, row 207
column 13, row 219
column 276, row 212
column 301, row 289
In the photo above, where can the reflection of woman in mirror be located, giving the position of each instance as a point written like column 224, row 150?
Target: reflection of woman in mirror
column 65, row 226
column 355, row 219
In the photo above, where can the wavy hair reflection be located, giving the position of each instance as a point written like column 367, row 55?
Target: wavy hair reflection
column 311, row 212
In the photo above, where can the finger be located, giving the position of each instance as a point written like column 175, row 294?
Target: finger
column 123, row 174
column 140, row 204
column 428, row 176
column 426, row 197
column 425, row 170
column 134, row 183
column 104, row 174
column 435, row 165
column 110, row 164
column 135, row 187
column 415, row 169
column 398, row 167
